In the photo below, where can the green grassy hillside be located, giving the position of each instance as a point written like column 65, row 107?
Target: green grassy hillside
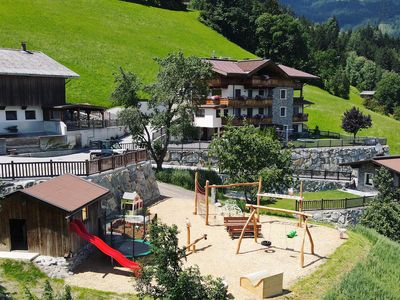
column 328, row 109
column 95, row 37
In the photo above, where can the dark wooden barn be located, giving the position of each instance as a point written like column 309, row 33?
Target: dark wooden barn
column 36, row 219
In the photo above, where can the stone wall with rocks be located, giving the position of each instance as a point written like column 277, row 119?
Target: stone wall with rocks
column 340, row 217
column 329, row 158
column 316, row 185
column 61, row 267
column 324, row 158
column 139, row 177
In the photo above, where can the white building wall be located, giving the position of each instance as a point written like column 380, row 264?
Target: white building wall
column 209, row 120
column 86, row 136
column 23, row 125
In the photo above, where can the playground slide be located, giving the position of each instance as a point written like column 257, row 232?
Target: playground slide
column 78, row 227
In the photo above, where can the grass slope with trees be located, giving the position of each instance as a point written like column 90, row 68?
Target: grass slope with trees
column 95, row 37
column 328, row 109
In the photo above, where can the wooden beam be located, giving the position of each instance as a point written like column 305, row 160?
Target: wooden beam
column 196, row 178
column 259, row 197
column 243, row 230
column 301, row 203
column 224, row 186
column 280, row 196
column 288, row 211
column 206, row 197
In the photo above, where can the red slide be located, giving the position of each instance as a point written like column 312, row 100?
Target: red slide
column 78, row 227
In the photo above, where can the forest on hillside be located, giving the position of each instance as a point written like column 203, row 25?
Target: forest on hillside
column 364, row 57
column 351, row 13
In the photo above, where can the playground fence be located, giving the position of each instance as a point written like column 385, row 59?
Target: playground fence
column 326, row 204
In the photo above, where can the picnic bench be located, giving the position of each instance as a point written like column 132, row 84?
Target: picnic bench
column 234, row 226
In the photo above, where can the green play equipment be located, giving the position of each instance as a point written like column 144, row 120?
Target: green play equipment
column 292, row 234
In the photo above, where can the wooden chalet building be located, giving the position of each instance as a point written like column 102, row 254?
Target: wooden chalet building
column 33, row 99
column 36, row 219
column 258, row 90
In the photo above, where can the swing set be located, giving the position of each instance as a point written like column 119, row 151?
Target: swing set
column 201, row 195
column 303, row 216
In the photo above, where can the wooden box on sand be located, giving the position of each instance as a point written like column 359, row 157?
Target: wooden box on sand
column 263, row 284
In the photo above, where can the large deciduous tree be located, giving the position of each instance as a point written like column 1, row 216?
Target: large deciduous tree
column 244, row 153
column 282, row 38
column 388, row 91
column 180, row 82
column 353, row 120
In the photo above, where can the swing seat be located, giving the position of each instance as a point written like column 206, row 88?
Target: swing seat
column 266, row 243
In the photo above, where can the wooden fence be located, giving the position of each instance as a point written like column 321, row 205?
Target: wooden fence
column 51, row 168
column 325, row 204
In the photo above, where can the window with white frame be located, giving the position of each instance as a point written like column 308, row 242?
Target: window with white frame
column 283, row 111
column 369, row 179
column 283, row 93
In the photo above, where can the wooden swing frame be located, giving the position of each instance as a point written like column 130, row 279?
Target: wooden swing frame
column 303, row 216
column 222, row 186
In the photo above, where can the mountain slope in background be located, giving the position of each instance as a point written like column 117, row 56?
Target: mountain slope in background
column 95, row 37
column 351, row 13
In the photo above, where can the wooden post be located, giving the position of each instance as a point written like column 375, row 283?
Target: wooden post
column 206, row 197
column 51, row 168
column 87, row 167
column 196, row 176
column 259, row 197
column 253, row 211
column 302, row 244
column 255, row 231
column 187, row 235
column 301, row 203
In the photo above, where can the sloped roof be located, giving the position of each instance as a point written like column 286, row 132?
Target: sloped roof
column 31, row 63
column 67, row 192
column 390, row 162
column 294, row 73
column 249, row 66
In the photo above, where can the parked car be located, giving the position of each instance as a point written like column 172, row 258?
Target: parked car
column 105, row 148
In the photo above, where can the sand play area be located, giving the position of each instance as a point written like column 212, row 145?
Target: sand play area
column 217, row 255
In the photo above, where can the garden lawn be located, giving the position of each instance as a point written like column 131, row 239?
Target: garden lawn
column 365, row 267
column 327, row 113
column 16, row 275
column 95, row 37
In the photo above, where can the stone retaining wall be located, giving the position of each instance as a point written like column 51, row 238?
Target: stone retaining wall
column 340, row 217
column 316, row 185
column 325, row 158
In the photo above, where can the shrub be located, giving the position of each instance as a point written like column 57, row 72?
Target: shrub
column 185, row 178
column 383, row 214
column 396, row 113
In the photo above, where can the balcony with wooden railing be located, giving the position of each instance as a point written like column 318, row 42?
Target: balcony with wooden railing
column 256, row 120
column 300, row 117
column 240, row 102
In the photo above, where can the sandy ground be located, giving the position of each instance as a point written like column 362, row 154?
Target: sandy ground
column 216, row 255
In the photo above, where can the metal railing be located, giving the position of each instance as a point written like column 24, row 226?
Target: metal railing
column 348, row 141
column 323, row 174
column 326, row 204
column 52, row 168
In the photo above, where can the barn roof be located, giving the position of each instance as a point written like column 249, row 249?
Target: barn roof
column 31, row 63
column 67, row 192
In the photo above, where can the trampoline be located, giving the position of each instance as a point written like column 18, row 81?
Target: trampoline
column 124, row 245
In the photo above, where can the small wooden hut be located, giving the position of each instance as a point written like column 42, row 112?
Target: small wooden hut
column 36, row 219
